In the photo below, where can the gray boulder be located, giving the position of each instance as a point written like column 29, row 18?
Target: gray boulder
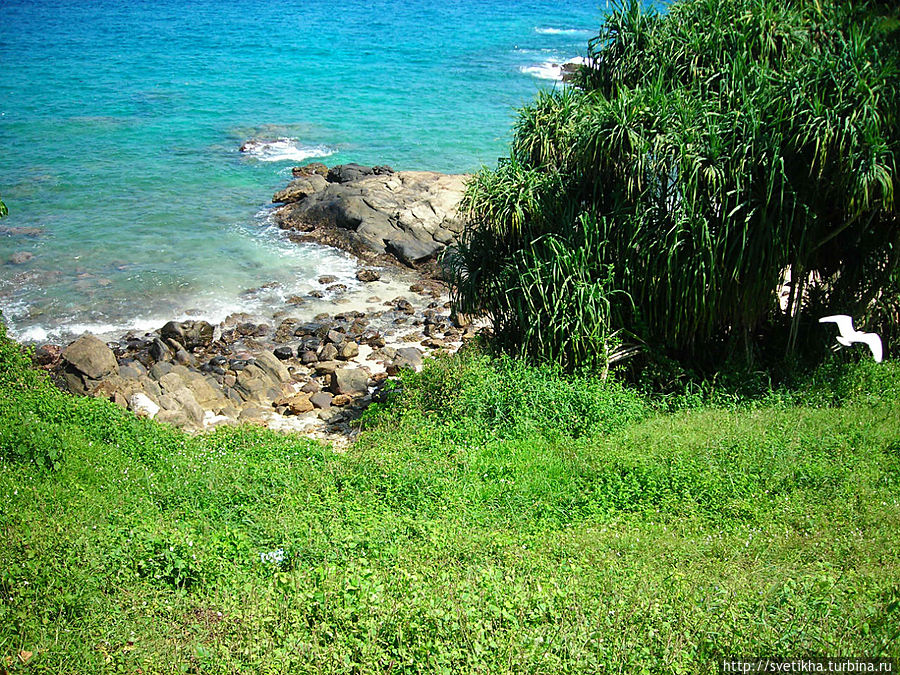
column 350, row 381
column 89, row 356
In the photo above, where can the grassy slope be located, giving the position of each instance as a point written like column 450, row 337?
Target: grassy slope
column 468, row 531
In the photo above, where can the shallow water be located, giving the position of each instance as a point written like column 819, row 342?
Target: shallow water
column 121, row 125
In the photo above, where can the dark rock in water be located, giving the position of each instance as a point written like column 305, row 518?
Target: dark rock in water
column 22, row 231
column 382, row 170
column 335, row 337
column 190, row 334
column 367, row 275
column 246, row 328
column 295, row 300
column 404, row 306
column 344, row 173
column 311, row 169
column 316, row 294
column 47, row 356
column 350, row 381
column 283, row 353
column 326, row 279
column 20, row 257
column 336, row 288
column 91, row 357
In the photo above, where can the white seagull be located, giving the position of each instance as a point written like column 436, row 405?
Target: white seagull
column 849, row 335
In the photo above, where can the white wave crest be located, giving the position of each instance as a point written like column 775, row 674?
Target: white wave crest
column 551, row 70
column 283, row 150
column 562, row 31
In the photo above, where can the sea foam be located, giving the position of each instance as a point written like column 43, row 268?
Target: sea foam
column 283, row 150
column 562, row 31
column 550, row 70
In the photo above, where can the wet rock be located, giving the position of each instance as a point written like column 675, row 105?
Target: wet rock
column 190, row 334
column 283, row 353
column 335, row 337
column 351, row 381
column 336, row 288
column 89, row 356
column 308, row 357
column 367, row 275
column 326, row 279
column 159, row 350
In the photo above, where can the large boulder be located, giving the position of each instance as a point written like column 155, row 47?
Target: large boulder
column 90, row 357
column 350, row 381
column 410, row 214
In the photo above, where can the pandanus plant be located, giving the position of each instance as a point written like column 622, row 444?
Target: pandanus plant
column 706, row 154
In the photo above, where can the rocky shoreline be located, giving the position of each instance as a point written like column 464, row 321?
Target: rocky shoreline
column 293, row 372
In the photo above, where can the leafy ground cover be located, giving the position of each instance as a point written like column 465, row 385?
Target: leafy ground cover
column 491, row 518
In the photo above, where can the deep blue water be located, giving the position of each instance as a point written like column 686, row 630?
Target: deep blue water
column 121, row 123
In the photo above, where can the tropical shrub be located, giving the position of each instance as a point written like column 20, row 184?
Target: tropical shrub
column 721, row 173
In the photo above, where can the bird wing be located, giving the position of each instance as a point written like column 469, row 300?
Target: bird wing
column 844, row 323
column 874, row 343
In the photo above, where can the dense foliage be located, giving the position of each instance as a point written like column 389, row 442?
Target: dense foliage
column 492, row 518
column 707, row 154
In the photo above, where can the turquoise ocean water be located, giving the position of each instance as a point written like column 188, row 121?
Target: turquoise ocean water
column 121, row 123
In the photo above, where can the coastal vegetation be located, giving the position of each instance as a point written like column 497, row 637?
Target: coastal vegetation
column 492, row 517
column 501, row 514
column 723, row 174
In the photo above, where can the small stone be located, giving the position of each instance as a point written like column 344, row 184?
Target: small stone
column 311, row 387
column 308, row 357
column 326, row 279
column 348, row 351
column 316, row 294
column 336, row 288
column 416, row 288
column 321, row 400
column 341, row 400
column 329, row 352
column 283, row 353
column 295, row 300
column 367, row 275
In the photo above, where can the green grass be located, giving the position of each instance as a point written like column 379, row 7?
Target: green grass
column 491, row 518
